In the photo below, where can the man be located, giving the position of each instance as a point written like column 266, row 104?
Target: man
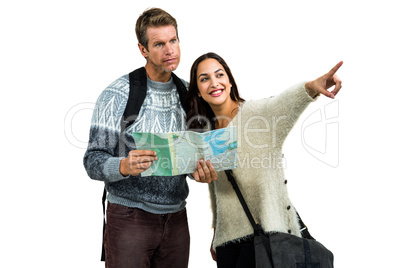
column 146, row 222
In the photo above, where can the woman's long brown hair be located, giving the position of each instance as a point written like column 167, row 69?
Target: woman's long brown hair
column 200, row 114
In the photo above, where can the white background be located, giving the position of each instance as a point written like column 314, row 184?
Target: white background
column 57, row 56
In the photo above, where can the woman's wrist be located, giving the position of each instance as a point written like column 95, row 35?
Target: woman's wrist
column 310, row 90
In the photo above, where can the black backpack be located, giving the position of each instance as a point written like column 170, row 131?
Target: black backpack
column 136, row 97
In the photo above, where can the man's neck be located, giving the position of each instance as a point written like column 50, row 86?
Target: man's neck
column 157, row 75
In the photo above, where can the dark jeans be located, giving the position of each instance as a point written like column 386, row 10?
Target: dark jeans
column 236, row 254
column 136, row 238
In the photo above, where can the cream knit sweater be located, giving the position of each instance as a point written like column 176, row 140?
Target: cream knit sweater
column 262, row 127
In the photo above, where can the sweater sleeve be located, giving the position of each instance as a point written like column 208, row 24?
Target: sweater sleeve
column 102, row 160
column 286, row 109
column 211, row 187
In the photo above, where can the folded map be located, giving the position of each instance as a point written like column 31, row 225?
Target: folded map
column 178, row 152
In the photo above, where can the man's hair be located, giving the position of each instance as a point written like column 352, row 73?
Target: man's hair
column 153, row 17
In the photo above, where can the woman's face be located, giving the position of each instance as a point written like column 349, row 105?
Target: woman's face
column 213, row 83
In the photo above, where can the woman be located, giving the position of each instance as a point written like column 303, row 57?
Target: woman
column 262, row 127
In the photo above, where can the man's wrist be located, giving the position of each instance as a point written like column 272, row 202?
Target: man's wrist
column 122, row 168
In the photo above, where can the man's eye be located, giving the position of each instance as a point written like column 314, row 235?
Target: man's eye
column 173, row 41
column 159, row 45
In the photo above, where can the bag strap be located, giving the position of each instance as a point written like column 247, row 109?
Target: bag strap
column 138, row 92
column 258, row 231
column 136, row 96
column 257, row 228
column 241, row 199
column 182, row 90
column 303, row 229
column 104, row 224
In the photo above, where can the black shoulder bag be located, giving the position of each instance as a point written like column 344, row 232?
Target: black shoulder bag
column 281, row 250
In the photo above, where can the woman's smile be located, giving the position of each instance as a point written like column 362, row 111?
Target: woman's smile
column 216, row 92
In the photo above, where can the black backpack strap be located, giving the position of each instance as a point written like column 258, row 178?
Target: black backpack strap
column 136, row 97
column 138, row 92
column 104, row 224
column 182, row 90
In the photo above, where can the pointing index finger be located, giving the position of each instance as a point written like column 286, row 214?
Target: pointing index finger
column 335, row 68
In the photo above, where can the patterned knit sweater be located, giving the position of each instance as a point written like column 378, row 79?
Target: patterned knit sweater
column 262, row 127
column 160, row 112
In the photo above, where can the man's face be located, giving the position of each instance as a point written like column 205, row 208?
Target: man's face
column 163, row 54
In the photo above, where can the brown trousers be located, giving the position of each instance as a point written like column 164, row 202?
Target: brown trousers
column 135, row 238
